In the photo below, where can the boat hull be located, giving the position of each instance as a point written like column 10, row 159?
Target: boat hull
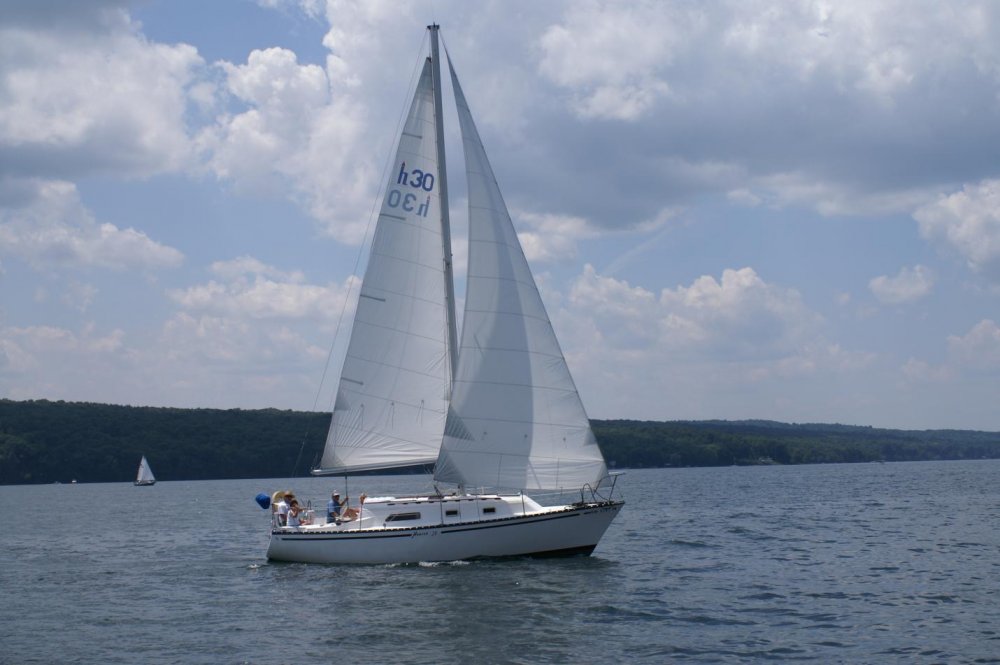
column 563, row 530
column 144, row 483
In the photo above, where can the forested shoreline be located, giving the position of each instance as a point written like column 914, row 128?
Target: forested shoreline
column 52, row 441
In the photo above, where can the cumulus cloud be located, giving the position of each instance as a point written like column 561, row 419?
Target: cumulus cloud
column 838, row 107
column 247, row 265
column 199, row 361
column 54, row 362
column 552, row 237
column 615, row 67
column 978, row 349
column 79, row 295
column 295, row 136
column 967, row 222
column 738, row 317
column 974, row 354
column 91, row 95
column 46, row 225
column 830, row 106
column 639, row 351
column 829, row 197
column 740, row 314
column 920, row 371
column 253, row 290
column 909, row 285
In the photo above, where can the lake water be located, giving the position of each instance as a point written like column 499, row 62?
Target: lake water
column 867, row 563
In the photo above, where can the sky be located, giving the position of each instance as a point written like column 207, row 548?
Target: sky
column 734, row 209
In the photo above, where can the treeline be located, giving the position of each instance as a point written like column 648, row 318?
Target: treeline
column 637, row 444
column 45, row 442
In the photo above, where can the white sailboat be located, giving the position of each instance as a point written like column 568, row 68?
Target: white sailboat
column 144, row 476
column 498, row 411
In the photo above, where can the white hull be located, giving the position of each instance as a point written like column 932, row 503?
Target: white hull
column 537, row 531
column 144, row 483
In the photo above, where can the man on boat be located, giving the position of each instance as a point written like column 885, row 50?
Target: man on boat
column 333, row 507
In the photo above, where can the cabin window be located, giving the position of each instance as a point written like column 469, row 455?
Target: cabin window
column 451, row 513
column 491, row 509
column 402, row 517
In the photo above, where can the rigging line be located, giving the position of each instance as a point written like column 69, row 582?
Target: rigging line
column 364, row 243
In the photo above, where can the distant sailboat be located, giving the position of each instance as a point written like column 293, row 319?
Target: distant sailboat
column 500, row 410
column 145, row 475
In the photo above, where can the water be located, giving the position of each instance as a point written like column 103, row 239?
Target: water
column 870, row 563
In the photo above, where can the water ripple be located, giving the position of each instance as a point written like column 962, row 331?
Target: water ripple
column 891, row 563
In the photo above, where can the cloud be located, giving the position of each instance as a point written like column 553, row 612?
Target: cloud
column 91, row 95
column 740, row 314
column 219, row 341
column 294, row 136
column 967, row 222
column 313, row 8
column 846, row 108
column 554, row 237
column 736, row 318
column 719, row 342
column 835, row 107
column 79, row 295
column 920, row 371
column 978, row 349
column 54, row 362
column 198, row 362
column 970, row 356
column 614, row 67
column 829, row 198
column 909, row 285
column 253, row 290
column 248, row 265
column 44, row 223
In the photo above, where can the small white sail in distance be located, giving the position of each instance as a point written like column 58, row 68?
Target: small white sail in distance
column 144, row 476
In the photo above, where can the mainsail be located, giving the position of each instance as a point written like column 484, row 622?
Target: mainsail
column 516, row 419
column 392, row 398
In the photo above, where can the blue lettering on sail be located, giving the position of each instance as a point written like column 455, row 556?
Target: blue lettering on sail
column 416, row 178
column 408, row 201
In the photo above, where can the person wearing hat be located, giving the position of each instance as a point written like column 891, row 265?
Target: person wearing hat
column 281, row 508
column 333, row 507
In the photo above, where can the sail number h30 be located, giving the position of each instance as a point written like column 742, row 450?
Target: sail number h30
column 409, row 201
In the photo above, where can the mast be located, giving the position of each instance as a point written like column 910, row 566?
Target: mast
column 449, row 277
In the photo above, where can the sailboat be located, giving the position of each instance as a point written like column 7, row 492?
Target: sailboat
column 497, row 412
column 144, row 476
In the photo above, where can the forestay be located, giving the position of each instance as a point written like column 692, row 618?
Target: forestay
column 516, row 418
column 392, row 398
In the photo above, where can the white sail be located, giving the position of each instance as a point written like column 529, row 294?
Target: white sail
column 145, row 475
column 391, row 402
column 516, row 418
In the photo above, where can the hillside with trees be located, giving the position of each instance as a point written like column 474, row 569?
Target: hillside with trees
column 45, row 442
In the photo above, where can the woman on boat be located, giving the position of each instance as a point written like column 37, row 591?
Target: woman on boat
column 295, row 514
